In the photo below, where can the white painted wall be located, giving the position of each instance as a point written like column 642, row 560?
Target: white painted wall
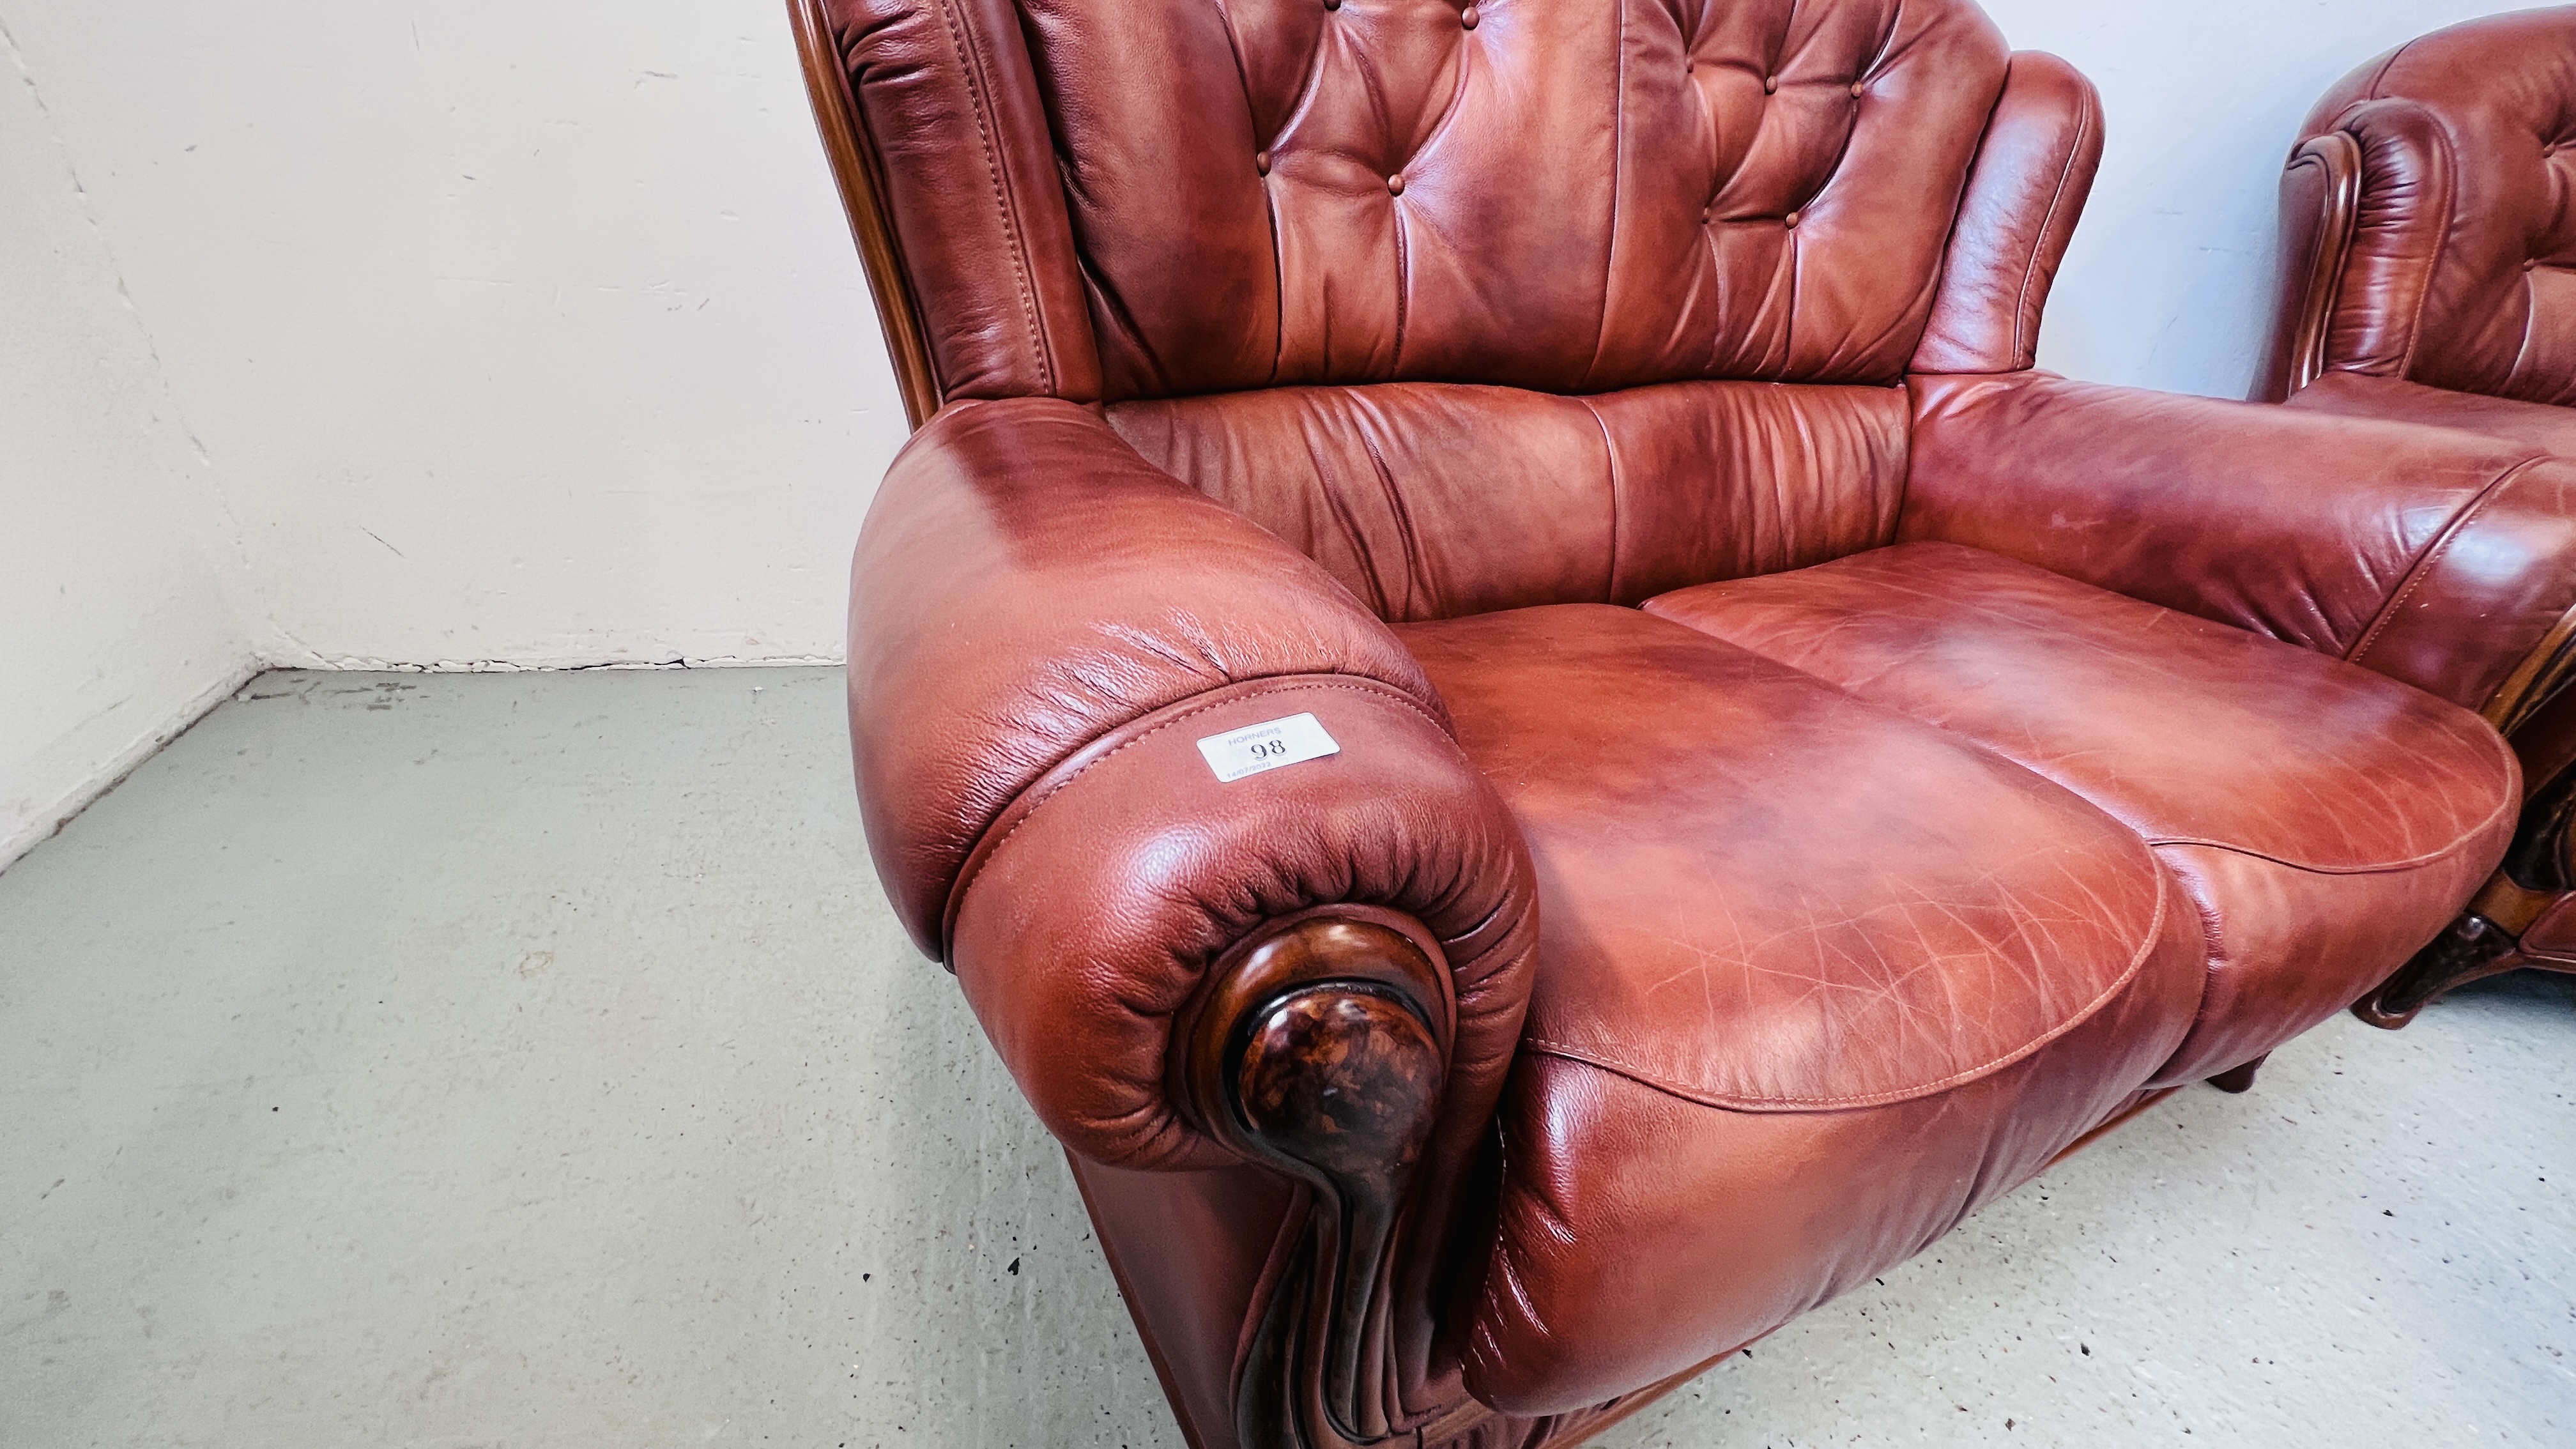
column 115, row 631
column 527, row 332
column 514, row 330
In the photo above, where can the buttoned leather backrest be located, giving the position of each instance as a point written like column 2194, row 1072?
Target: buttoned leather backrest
column 2462, row 273
column 1111, row 199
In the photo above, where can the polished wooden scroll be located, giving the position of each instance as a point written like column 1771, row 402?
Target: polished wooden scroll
column 854, row 166
column 1319, row 1050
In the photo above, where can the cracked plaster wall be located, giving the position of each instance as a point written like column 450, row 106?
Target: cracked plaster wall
column 485, row 336
column 520, row 334
column 116, row 624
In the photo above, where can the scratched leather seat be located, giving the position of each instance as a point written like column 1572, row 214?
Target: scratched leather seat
column 2429, row 275
column 1792, row 769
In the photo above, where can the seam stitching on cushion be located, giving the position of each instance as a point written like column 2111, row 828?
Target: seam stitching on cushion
column 977, row 88
column 1288, row 684
column 2417, row 862
column 2424, row 566
column 1797, row 271
column 2039, row 244
column 1447, row 121
column 2385, row 66
column 1877, row 62
column 2137, row 963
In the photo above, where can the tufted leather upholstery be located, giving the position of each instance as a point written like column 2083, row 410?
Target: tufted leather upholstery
column 1378, row 359
column 1281, row 192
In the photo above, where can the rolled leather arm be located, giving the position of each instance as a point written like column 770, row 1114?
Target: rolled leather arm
column 2440, row 558
column 1043, row 626
column 2366, row 207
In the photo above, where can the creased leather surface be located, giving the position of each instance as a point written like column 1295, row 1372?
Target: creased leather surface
column 1281, row 192
column 1762, row 894
column 1641, row 1233
column 2463, row 274
column 1431, row 501
column 1815, row 980
column 2291, row 947
column 1025, row 584
column 2438, row 558
column 2505, row 574
column 2328, row 820
column 2042, row 149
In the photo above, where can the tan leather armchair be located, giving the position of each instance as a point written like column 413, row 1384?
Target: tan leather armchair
column 1536, row 741
column 2428, row 274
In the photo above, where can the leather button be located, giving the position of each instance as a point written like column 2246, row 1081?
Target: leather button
column 1467, row 17
column 1770, row 85
column 1858, row 88
column 1261, row 162
column 1792, row 219
column 1395, row 184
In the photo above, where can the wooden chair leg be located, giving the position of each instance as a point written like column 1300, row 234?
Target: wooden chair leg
column 2239, row 1079
column 2473, row 949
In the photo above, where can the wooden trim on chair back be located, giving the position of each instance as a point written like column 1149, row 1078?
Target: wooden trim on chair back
column 2320, row 208
column 2537, row 680
column 854, row 165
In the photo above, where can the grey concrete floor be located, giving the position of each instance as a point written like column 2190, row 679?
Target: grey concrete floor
column 529, row 1060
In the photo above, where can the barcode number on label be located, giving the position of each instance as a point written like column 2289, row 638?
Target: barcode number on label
column 1290, row 741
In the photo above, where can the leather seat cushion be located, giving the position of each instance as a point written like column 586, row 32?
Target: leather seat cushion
column 2328, row 821
column 1815, row 980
